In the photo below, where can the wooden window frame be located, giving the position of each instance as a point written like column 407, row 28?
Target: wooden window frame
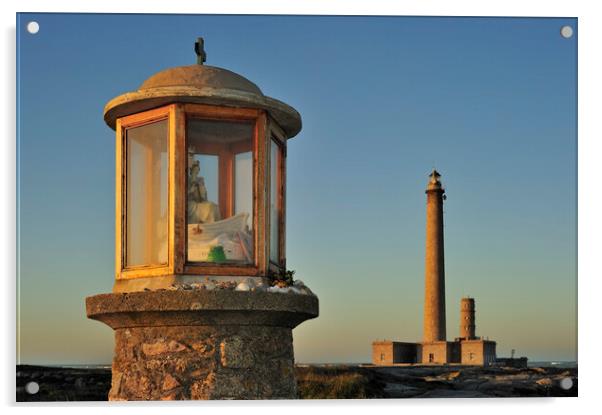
column 219, row 113
column 136, row 120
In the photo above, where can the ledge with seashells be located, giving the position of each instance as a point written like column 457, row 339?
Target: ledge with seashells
column 279, row 283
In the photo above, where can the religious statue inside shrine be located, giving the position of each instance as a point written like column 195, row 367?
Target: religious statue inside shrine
column 219, row 209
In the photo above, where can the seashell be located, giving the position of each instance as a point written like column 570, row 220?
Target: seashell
column 243, row 286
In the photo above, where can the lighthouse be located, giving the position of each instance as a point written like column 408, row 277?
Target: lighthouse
column 434, row 268
column 468, row 349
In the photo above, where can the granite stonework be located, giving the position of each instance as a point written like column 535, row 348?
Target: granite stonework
column 221, row 344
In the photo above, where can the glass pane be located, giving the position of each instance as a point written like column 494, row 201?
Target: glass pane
column 146, row 195
column 243, row 184
column 274, row 201
column 220, row 191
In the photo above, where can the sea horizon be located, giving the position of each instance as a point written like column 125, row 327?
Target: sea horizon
column 536, row 363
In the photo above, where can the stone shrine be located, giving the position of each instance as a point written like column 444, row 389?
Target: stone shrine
column 203, row 306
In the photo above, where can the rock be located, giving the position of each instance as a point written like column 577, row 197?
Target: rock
column 169, row 382
column 172, row 396
column 538, row 369
column 202, row 389
column 453, row 375
column 162, row 347
column 234, row 354
column 202, row 347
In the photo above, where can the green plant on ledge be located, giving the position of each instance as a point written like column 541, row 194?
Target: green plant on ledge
column 281, row 278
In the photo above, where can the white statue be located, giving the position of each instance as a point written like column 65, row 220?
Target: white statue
column 200, row 210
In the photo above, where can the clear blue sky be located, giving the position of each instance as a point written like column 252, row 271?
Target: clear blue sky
column 491, row 103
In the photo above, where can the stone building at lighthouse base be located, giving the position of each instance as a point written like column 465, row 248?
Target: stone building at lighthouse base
column 477, row 352
column 468, row 349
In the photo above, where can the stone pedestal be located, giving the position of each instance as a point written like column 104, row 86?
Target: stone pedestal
column 202, row 344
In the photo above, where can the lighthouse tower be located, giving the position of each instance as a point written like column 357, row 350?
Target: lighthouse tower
column 434, row 276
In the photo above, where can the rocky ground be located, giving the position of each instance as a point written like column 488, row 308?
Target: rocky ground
column 63, row 384
column 336, row 382
column 339, row 382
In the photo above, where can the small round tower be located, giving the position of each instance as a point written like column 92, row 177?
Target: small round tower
column 467, row 319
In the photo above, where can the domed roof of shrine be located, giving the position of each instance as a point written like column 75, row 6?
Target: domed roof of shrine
column 202, row 84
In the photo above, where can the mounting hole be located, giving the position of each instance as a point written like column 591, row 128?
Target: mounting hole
column 32, row 388
column 566, row 32
column 33, row 27
column 566, row 383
